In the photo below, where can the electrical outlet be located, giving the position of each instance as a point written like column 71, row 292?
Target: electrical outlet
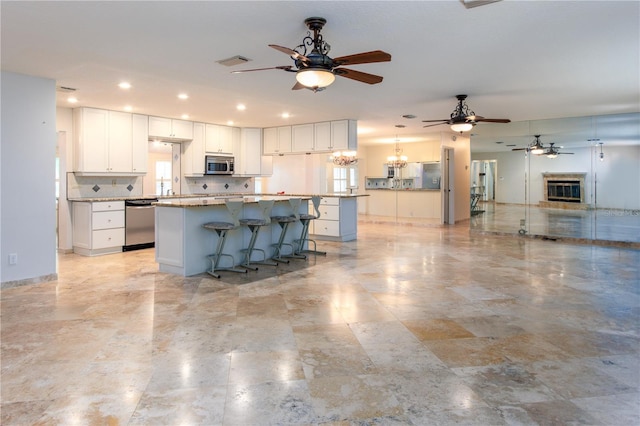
column 13, row 258
column 113, row 182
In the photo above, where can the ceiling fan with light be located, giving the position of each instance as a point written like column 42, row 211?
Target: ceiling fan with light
column 537, row 148
column 315, row 70
column 462, row 119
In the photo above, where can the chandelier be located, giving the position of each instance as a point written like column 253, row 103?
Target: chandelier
column 397, row 161
column 344, row 158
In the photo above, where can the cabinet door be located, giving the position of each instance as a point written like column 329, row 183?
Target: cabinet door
column 159, row 127
column 212, row 138
column 120, row 142
column 140, row 143
column 182, row 129
column 226, row 139
column 92, row 140
column 193, row 152
column 250, row 152
column 284, row 139
column 302, row 138
column 270, row 141
column 343, row 135
column 322, row 136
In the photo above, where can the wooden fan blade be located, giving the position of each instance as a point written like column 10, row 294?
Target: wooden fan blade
column 363, row 58
column 568, row 153
column 358, row 75
column 290, row 52
column 444, row 120
column 431, row 125
column 520, row 149
column 281, row 67
column 479, row 119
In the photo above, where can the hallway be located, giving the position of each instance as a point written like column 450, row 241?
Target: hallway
column 408, row 325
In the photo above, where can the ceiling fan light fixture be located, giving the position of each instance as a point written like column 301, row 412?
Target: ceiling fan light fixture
column 461, row 127
column 315, row 77
column 552, row 155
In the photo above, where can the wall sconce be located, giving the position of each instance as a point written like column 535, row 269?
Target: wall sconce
column 601, row 153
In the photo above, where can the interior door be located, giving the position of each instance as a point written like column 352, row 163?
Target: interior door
column 448, row 208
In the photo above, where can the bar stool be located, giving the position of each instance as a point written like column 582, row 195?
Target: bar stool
column 305, row 219
column 221, row 228
column 284, row 222
column 254, row 225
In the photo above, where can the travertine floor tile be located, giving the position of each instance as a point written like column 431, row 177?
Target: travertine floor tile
column 408, row 325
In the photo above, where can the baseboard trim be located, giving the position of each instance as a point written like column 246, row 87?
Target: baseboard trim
column 28, row 281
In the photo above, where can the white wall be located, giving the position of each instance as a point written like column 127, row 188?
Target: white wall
column 297, row 174
column 27, row 194
column 618, row 176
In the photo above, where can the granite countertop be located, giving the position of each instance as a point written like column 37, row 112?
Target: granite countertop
column 403, row 190
column 222, row 196
column 212, row 201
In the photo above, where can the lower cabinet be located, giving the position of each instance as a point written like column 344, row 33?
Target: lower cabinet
column 98, row 227
column 338, row 219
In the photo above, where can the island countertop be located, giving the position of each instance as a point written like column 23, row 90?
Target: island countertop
column 219, row 196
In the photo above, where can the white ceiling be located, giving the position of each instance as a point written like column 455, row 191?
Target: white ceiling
column 530, row 61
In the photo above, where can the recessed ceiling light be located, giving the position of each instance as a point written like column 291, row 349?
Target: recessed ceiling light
column 285, row 115
column 511, row 145
column 230, row 123
column 241, row 107
column 400, row 126
column 499, row 142
column 128, row 108
column 409, row 116
column 183, row 96
column 124, row 85
column 184, row 116
column 72, row 100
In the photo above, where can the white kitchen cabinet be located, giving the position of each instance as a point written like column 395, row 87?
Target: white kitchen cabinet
column 338, row 219
column 344, row 135
column 98, row 227
column 322, row 136
column 302, row 138
column 249, row 158
column 103, row 142
column 192, row 154
column 276, row 140
column 170, row 129
column 219, row 139
column 140, row 143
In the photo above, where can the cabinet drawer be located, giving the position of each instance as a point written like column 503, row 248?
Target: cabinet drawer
column 329, row 228
column 332, row 201
column 107, row 238
column 102, row 206
column 107, row 220
column 330, row 212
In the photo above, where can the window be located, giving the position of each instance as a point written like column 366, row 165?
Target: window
column 163, row 177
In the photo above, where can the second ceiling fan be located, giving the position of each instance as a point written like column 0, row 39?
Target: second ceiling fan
column 462, row 119
column 315, row 69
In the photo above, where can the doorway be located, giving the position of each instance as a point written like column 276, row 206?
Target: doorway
column 448, row 179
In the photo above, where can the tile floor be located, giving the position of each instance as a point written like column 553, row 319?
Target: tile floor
column 408, row 325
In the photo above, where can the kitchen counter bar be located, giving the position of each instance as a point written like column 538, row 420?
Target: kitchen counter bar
column 221, row 196
column 182, row 244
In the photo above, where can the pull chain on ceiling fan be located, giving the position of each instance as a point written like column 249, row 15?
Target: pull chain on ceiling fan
column 315, row 69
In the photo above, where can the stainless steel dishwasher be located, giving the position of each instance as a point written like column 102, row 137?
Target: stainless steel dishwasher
column 139, row 224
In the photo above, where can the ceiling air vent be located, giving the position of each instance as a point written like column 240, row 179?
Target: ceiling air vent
column 234, row 60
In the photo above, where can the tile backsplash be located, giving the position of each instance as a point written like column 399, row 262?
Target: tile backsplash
column 217, row 185
column 101, row 186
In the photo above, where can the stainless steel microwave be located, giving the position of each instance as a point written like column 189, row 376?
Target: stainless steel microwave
column 218, row 165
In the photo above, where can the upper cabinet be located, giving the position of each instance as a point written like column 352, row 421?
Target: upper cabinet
column 277, row 140
column 320, row 137
column 344, row 135
column 219, row 139
column 249, row 158
column 192, row 154
column 105, row 142
column 170, row 129
column 302, row 138
column 140, row 148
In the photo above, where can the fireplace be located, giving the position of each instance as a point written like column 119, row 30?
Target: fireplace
column 563, row 190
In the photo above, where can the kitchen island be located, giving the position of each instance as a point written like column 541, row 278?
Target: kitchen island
column 182, row 244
